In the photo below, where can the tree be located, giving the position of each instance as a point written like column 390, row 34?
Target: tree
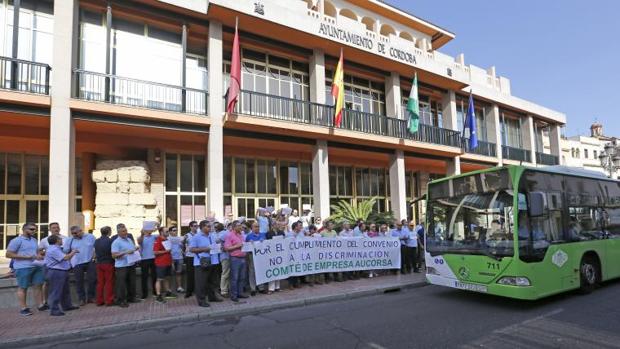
column 345, row 211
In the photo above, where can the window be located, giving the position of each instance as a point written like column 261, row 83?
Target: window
column 585, row 153
column 511, row 130
column 24, row 190
column 595, row 155
column 360, row 94
column 480, row 112
column 185, row 189
column 36, row 26
column 358, row 184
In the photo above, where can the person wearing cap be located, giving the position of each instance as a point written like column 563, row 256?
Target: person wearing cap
column 57, row 263
column 176, row 251
column 105, row 268
column 147, row 264
column 205, row 275
column 189, row 259
column 83, row 263
column 124, row 270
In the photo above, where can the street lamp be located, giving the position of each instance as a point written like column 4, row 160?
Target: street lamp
column 610, row 157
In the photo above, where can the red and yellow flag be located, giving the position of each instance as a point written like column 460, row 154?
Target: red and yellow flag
column 338, row 91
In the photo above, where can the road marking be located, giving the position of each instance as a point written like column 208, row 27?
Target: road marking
column 375, row 345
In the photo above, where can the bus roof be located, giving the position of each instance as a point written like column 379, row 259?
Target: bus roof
column 557, row 169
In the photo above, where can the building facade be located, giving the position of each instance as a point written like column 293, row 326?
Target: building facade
column 117, row 107
column 584, row 151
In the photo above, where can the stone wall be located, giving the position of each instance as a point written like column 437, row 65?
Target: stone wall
column 124, row 195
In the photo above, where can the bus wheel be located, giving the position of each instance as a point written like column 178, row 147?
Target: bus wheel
column 588, row 274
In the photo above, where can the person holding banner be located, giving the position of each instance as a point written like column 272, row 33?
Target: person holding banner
column 254, row 236
column 297, row 232
column 238, row 268
column 329, row 232
column 278, row 233
column 206, row 265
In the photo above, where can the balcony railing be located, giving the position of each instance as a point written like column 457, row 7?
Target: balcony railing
column 137, row 93
column 25, row 76
column 517, row 154
column 483, row 148
column 295, row 110
column 547, row 159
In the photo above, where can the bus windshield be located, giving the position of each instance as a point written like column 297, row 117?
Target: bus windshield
column 472, row 216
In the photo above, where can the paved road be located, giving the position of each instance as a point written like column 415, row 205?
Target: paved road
column 427, row 317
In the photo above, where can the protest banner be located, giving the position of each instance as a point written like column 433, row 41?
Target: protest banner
column 283, row 258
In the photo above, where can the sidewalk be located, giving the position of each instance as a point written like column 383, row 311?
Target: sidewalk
column 17, row 330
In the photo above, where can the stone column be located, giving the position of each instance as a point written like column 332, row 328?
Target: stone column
column 529, row 139
column 494, row 131
column 215, row 157
column 422, row 183
column 393, row 99
column 554, row 140
column 317, row 77
column 62, row 131
column 398, row 186
column 320, row 180
column 88, row 187
column 448, row 104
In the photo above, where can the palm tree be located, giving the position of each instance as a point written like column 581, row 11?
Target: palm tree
column 345, row 211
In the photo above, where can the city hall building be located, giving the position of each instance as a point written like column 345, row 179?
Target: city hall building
column 117, row 107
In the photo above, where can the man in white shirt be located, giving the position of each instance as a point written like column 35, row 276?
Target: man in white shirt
column 54, row 229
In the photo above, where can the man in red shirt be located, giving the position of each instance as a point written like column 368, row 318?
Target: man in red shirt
column 163, row 265
column 238, row 267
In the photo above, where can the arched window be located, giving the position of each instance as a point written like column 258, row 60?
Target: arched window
column 330, row 9
column 406, row 36
column 387, row 29
column 345, row 12
column 369, row 23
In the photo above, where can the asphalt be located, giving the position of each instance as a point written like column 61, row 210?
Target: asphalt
column 425, row 317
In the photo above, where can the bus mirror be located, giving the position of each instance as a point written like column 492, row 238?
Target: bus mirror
column 537, row 204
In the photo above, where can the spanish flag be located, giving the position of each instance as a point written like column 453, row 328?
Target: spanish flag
column 338, row 91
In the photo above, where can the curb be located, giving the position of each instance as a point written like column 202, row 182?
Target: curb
column 86, row 333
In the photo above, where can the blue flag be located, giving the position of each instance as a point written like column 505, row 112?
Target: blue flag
column 470, row 125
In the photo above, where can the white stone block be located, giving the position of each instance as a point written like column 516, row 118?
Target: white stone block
column 123, row 175
column 139, row 176
column 112, row 199
column 133, row 211
column 108, row 211
column 101, row 222
column 98, row 176
column 111, row 176
column 104, row 187
column 138, row 188
column 142, row 199
column 152, row 212
column 122, row 187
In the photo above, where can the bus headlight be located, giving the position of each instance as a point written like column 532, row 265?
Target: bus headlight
column 514, row 281
column 432, row 271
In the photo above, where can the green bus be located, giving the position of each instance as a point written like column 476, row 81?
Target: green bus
column 523, row 232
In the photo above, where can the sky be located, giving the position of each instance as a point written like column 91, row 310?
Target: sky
column 561, row 54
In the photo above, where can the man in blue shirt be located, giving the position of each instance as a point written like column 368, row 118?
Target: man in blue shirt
column 57, row 263
column 189, row 259
column 263, row 219
column 411, row 248
column 83, row 263
column 124, row 271
column 402, row 234
column 23, row 251
column 147, row 264
column 255, row 235
column 206, row 276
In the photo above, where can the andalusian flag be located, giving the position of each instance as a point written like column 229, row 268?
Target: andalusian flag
column 338, row 91
column 413, row 107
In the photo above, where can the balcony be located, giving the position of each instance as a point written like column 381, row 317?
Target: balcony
column 294, row 110
column 24, row 76
column 517, row 154
column 114, row 89
column 547, row 159
column 483, row 148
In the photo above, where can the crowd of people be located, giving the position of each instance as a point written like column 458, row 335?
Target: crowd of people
column 209, row 258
